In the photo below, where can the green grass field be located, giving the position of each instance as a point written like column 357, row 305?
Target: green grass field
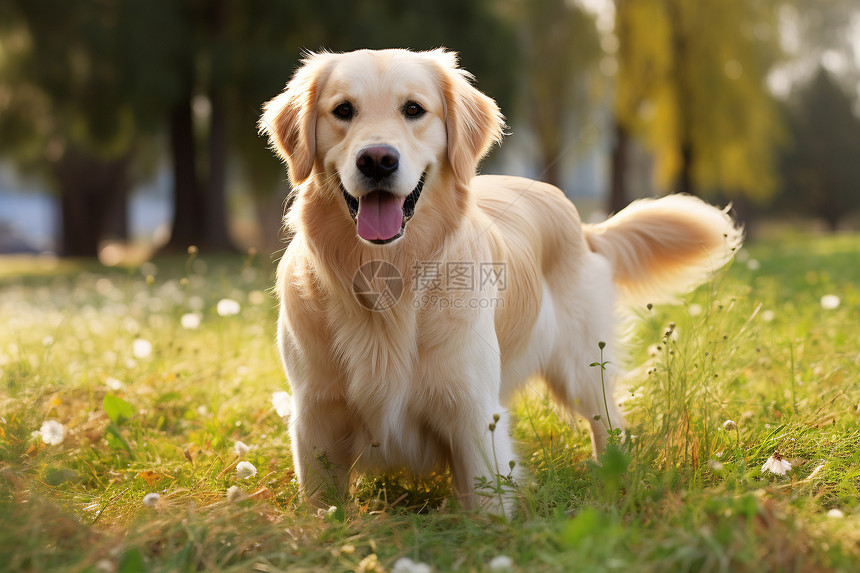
column 149, row 404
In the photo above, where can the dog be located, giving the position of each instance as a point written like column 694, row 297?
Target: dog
column 417, row 297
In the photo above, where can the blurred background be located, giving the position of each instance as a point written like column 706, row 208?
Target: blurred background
column 128, row 127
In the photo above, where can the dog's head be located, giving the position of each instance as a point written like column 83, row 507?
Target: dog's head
column 379, row 126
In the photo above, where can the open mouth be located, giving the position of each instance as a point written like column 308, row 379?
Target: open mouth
column 380, row 216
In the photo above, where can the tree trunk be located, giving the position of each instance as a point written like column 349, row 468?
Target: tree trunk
column 685, row 176
column 683, row 97
column 215, row 226
column 187, row 206
column 618, row 195
column 90, row 191
column 216, row 229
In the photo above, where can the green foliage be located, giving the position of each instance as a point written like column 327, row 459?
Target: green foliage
column 117, row 409
column 693, row 74
column 678, row 491
column 822, row 174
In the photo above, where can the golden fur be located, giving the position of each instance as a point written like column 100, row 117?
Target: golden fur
column 416, row 386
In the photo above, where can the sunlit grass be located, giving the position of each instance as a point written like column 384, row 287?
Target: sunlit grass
column 154, row 403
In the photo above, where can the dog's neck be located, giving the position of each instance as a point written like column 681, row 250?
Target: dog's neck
column 321, row 216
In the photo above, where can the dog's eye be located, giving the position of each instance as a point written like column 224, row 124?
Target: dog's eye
column 413, row 110
column 344, row 111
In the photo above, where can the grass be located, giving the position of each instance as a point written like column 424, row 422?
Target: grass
column 683, row 493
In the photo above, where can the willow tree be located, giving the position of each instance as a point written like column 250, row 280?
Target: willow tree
column 691, row 83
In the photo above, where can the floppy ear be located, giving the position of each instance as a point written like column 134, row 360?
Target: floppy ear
column 473, row 120
column 289, row 120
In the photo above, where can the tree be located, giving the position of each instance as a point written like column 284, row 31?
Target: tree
column 559, row 52
column 80, row 97
column 822, row 172
column 691, row 83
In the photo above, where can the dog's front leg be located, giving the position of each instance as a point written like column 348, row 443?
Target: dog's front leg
column 481, row 465
column 476, row 425
column 320, row 432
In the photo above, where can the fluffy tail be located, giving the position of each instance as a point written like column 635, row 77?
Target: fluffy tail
column 662, row 248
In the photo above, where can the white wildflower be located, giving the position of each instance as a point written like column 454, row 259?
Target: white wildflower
column 835, row 513
column 501, row 563
column 406, row 565
column 105, row 566
column 245, row 470
column 283, row 403
column 235, row 494
column 113, row 383
column 151, row 499
column 241, row 448
column 190, row 320
column 52, row 432
column 227, row 307
column 326, row 512
column 768, row 316
column 141, row 348
column 776, row 465
column 830, row 301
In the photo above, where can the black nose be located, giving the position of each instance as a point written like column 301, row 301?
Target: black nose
column 378, row 161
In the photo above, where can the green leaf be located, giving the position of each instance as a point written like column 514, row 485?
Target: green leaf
column 115, row 438
column 585, row 524
column 131, row 562
column 117, row 409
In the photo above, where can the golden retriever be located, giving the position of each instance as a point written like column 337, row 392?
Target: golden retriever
column 416, row 297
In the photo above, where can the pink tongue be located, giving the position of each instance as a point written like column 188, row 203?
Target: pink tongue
column 380, row 215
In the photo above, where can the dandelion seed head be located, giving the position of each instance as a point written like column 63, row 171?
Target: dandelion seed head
column 283, row 403
column 227, row 307
column 768, row 316
column 406, row 565
column 151, row 499
column 835, row 514
column 195, row 303
column 141, row 348
column 244, row 470
column 235, row 493
column 52, row 432
column 830, row 302
column 501, row 563
column 241, row 448
column 730, row 426
column 190, row 320
column 694, row 309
